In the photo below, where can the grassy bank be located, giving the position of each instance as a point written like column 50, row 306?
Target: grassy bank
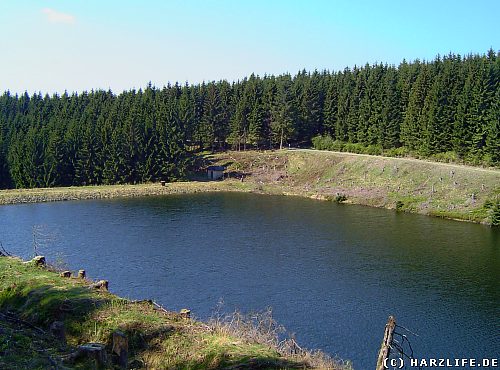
column 32, row 298
column 410, row 185
column 13, row 196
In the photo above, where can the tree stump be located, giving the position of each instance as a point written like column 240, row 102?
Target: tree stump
column 120, row 349
column 81, row 274
column 101, row 285
column 38, row 261
column 163, row 182
column 57, row 330
column 66, row 274
column 185, row 313
column 94, row 351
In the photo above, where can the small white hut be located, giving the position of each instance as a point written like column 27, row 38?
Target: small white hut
column 215, row 172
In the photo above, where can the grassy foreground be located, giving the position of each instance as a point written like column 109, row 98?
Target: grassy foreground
column 437, row 189
column 31, row 298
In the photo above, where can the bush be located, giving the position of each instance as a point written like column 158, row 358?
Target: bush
column 340, row 197
column 354, row 148
column 373, row 150
column 447, row 157
column 322, row 142
column 399, row 206
column 327, row 143
column 338, row 146
column 495, row 214
column 397, row 152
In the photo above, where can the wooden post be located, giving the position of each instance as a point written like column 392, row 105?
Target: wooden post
column 385, row 348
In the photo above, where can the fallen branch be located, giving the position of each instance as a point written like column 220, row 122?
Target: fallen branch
column 160, row 308
column 3, row 252
column 12, row 318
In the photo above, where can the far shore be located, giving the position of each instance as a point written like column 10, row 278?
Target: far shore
column 37, row 195
column 408, row 185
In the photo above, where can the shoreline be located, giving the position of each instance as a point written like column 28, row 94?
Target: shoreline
column 42, row 195
column 52, row 318
column 461, row 193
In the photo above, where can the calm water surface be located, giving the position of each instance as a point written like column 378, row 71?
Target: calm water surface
column 331, row 273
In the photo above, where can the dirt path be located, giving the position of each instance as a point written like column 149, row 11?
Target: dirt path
column 407, row 160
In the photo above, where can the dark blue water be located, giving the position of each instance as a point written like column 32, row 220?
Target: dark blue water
column 331, row 273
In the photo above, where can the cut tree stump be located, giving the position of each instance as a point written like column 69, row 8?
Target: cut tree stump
column 92, row 351
column 38, row 261
column 120, row 349
column 101, row 285
column 185, row 313
column 81, row 274
column 57, row 330
column 66, row 274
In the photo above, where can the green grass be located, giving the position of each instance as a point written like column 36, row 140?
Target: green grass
column 157, row 339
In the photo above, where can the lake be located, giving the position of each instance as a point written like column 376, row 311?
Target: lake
column 332, row 273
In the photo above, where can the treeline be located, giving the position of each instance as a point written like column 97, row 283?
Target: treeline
column 448, row 105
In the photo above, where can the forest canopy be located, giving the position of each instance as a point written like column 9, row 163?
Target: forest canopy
column 448, row 105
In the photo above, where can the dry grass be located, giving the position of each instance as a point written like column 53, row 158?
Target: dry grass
column 261, row 328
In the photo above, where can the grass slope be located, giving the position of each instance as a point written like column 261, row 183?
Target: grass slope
column 31, row 298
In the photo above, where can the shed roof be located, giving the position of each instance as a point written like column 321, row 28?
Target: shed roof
column 216, row 168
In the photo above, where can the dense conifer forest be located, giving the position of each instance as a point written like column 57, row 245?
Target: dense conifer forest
column 449, row 106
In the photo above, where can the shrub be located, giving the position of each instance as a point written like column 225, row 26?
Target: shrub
column 354, row 148
column 397, row 152
column 340, row 197
column 399, row 206
column 495, row 214
column 373, row 150
column 262, row 328
column 322, row 142
column 327, row 143
column 338, row 146
column 447, row 157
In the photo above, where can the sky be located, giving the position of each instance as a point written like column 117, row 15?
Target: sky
column 77, row 45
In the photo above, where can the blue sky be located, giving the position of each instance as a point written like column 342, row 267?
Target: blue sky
column 76, row 45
